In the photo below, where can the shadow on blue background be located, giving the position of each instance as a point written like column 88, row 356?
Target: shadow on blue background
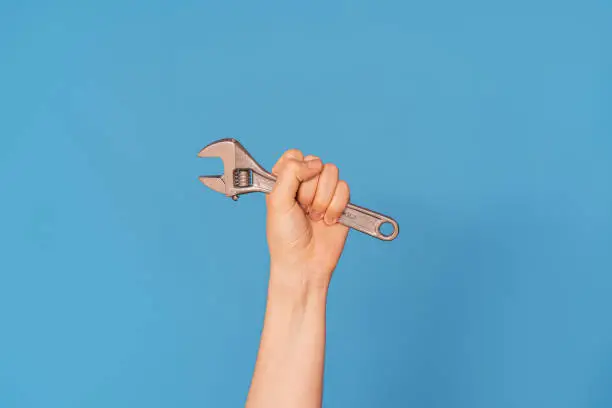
column 484, row 129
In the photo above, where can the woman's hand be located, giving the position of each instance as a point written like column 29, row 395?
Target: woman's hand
column 305, row 244
column 304, row 238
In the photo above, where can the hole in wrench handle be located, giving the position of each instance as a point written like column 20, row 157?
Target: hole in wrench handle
column 368, row 222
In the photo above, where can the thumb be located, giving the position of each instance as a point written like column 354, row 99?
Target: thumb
column 291, row 174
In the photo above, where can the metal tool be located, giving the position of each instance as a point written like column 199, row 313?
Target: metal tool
column 243, row 175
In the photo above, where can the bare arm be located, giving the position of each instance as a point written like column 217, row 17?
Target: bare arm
column 305, row 244
column 289, row 369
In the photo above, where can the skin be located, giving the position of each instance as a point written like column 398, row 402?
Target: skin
column 305, row 243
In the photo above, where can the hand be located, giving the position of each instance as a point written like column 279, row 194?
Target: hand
column 304, row 238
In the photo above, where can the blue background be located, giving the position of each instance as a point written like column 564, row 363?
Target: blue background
column 485, row 129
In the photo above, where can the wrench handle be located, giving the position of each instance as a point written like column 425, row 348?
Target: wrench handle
column 354, row 216
column 368, row 222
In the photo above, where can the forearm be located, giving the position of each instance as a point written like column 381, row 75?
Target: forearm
column 289, row 368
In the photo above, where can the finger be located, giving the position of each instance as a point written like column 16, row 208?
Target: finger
column 291, row 173
column 325, row 191
column 308, row 188
column 289, row 154
column 338, row 203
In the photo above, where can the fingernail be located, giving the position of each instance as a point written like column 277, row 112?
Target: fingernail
column 316, row 216
column 329, row 220
column 314, row 163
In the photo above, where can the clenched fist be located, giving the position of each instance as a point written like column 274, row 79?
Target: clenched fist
column 304, row 237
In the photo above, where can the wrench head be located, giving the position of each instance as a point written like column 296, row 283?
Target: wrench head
column 234, row 156
column 224, row 149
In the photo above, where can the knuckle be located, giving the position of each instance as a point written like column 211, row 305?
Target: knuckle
column 319, row 205
column 281, row 164
column 331, row 168
column 286, row 167
column 292, row 166
column 294, row 154
column 343, row 188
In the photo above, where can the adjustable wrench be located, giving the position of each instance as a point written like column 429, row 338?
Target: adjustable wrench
column 243, row 175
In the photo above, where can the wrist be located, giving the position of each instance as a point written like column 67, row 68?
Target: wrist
column 296, row 283
column 292, row 307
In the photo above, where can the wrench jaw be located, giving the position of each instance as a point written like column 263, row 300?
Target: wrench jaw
column 223, row 149
column 218, row 184
column 215, row 183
